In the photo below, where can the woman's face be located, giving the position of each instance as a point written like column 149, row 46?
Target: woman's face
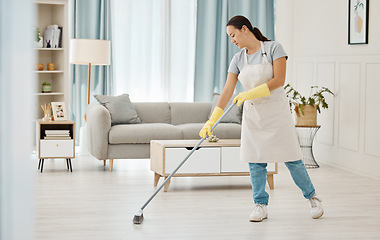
column 237, row 36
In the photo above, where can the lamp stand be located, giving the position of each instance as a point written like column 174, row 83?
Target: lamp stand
column 88, row 83
column 83, row 130
column 88, row 88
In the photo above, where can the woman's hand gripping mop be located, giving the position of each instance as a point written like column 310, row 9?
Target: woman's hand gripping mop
column 210, row 125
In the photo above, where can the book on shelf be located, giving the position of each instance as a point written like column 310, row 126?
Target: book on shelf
column 57, row 138
column 57, row 131
column 58, row 135
column 53, row 37
column 60, row 37
column 48, row 38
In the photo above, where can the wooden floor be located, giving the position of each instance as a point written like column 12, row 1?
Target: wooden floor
column 93, row 203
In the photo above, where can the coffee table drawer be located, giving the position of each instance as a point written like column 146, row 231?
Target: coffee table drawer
column 230, row 161
column 203, row 160
column 56, row 148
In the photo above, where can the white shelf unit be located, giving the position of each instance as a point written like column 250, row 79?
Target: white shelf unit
column 51, row 12
column 55, row 148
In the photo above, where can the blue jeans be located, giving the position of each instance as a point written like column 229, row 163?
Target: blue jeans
column 258, row 172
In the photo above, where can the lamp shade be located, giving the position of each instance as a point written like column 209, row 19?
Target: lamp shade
column 94, row 51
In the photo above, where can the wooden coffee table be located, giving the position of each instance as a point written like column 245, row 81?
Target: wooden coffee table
column 220, row 158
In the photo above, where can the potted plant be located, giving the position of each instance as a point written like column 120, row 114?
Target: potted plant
column 38, row 38
column 306, row 108
column 46, row 87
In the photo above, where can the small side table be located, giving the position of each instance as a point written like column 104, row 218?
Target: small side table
column 306, row 136
column 55, row 139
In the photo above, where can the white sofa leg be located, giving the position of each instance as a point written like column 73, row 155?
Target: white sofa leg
column 111, row 164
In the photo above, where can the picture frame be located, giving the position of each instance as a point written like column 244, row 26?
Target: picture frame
column 358, row 21
column 59, row 111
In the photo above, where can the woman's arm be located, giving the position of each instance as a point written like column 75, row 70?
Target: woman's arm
column 279, row 73
column 223, row 100
column 278, row 80
column 228, row 90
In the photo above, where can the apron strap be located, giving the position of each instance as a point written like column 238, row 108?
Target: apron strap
column 263, row 53
column 245, row 57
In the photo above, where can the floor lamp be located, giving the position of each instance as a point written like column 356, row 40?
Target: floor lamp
column 89, row 52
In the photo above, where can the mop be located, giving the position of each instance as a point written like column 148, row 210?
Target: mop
column 139, row 216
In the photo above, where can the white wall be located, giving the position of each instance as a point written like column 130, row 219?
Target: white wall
column 16, row 119
column 315, row 33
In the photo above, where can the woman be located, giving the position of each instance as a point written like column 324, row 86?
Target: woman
column 268, row 133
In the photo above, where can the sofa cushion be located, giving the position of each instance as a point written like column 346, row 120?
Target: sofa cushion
column 120, row 108
column 189, row 112
column 233, row 116
column 222, row 131
column 153, row 112
column 143, row 133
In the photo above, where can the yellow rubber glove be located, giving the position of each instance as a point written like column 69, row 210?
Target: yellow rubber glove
column 216, row 114
column 257, row 92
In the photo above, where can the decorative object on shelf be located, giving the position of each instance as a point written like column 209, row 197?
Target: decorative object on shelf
column 50, row 66
column 53, row 36
column 90, row 52
column 47, row 112
column 59, row 111
column 358, row 21
column 46, row 87
column 212, row 138
column 306, row 108
column 39, row 67
column 38, row 40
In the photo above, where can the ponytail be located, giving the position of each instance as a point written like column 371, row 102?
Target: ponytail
column 259, row 35
column 239, row 21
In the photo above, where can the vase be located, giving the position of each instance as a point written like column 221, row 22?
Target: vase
column 309, row 118
column 39, row 44
column 46, row 88
column 51, row 66
column 46, row 118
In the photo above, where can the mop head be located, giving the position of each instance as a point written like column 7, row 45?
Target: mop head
column 139, row 217
column 212, row 138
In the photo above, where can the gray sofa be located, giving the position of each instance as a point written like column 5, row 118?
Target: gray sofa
column 161, row 121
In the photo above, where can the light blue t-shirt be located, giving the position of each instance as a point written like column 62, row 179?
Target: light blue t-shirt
column 273, row 50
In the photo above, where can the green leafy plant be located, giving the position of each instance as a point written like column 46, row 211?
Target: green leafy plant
column 358, row 5
column 316, row 98
column 38, row 34
column 46, row 83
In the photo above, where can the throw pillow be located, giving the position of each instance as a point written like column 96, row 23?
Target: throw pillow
column 120, row 107
column 233, row 116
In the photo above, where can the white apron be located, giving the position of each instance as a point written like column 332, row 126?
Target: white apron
column 268, row 133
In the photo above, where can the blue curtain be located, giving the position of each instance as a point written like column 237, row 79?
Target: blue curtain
column 92, row 21
column 214, row 50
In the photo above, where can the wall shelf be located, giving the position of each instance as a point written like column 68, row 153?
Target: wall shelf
column 49, row 49
column 50, row 94
column 52, row 12
column 48, row 72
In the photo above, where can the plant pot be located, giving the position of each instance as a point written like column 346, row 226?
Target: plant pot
column 46, row 88
column 309, row 118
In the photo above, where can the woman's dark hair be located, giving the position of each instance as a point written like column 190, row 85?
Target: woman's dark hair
column 239, row 21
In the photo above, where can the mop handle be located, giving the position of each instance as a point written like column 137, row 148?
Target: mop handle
column 217, row 122
column 184, row 160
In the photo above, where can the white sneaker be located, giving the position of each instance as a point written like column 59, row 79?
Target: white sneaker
column 316, row 209
column 259, row 213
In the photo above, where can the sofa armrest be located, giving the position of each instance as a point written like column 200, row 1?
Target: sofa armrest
column 98, row 127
